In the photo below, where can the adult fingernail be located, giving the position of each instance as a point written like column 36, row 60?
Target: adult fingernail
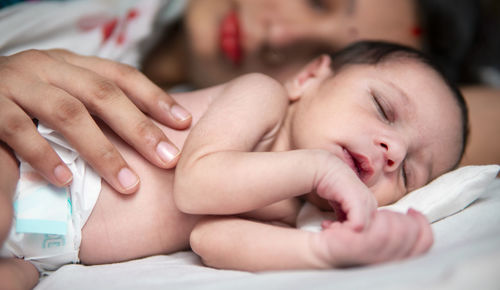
column 166, row 151
column 63, row 174
column 127, row 178
column 179, row 113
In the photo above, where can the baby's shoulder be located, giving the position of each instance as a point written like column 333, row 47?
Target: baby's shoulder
column 258, row 80
column 257, row 86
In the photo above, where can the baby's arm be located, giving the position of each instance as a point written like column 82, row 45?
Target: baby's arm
column 219, row 174
column 233, row 243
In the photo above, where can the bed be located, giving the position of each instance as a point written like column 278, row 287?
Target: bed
column 465, row 255
column 466, row 224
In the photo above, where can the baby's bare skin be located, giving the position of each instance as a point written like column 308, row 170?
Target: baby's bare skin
column 217, row 168
column 123, row 227
column 261, row 145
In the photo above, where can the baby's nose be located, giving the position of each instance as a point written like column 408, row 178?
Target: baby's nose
column 394, row 153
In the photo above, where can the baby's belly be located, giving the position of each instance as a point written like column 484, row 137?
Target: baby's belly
column 123, row 227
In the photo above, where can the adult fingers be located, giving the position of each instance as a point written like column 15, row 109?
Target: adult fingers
column 68, row 116
column 9, row 176
column 107, row 101
column 26, row 83
column 19, row 132
column 8, row 180
column 150, row 98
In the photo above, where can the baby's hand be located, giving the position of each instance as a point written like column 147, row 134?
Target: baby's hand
column 391, row 236
column 353, row 202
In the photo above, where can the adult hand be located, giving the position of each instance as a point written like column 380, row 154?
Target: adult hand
column 8, row 180
column 62, row 90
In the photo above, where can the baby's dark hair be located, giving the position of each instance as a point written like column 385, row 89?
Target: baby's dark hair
column 376, row 52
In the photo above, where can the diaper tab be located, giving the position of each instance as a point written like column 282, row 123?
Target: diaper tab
column 47, row 223
column 40, row 207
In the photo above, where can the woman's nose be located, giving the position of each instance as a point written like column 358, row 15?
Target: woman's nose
column 282, row 32
column 285, row 25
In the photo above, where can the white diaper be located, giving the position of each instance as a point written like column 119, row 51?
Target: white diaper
column 48, row 220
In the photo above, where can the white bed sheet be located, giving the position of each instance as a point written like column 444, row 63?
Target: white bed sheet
column 465, row 255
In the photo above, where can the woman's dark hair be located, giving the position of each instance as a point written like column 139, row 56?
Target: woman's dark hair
column 375, row 52
column 450, row 29
column 462, row 36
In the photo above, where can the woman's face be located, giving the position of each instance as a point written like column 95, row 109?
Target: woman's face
column 227, row 38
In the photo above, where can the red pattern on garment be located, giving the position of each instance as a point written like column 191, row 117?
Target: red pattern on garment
column 131, row 15
column 108, row 24
column 108, row 28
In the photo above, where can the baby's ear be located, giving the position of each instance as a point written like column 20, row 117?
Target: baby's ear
column 309, row 76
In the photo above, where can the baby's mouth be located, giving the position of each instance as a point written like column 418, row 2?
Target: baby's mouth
column 359, row 164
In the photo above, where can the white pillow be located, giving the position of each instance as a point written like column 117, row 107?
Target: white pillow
column 449, row 193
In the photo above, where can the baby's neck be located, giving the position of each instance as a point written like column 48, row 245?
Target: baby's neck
column 283, row 141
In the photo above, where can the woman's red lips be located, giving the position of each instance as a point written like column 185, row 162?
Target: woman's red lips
column 230, row 41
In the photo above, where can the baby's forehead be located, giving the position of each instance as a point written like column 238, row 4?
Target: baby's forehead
column 391, row 67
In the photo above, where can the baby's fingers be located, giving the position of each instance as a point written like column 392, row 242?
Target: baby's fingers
column 400, row 235
column 356, row 207
column 425, row 238
column 348, row 195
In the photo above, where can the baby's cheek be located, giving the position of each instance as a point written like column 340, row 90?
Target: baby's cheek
column 386, row 194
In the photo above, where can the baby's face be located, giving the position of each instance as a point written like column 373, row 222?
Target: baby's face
column 397, row 125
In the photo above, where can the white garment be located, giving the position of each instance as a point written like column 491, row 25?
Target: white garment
column 48, row 220
column 116, row 30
